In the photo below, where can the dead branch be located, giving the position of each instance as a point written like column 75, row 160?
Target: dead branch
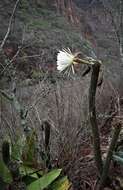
column 9, row 26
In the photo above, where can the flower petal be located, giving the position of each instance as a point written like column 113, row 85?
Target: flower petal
column 64, row 59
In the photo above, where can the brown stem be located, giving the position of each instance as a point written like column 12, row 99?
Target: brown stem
column 109, row 155
column 93, row 119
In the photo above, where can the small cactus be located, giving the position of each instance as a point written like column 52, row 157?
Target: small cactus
column 13, row 166
column 6, row 152
column 17, row 186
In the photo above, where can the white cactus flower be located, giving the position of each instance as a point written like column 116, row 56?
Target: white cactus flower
column 65, row 59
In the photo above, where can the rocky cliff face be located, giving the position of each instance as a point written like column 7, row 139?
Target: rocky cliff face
column 68, row 9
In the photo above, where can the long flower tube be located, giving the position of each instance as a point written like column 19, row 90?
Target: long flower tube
column 66, row 60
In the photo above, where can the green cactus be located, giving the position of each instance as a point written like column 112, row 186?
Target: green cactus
column 12, row 165
column 6, row 152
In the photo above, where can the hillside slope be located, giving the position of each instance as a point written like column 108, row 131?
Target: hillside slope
column 39, row 30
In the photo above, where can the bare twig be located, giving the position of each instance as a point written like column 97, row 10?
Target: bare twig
column 91, row 4
column 14, row 57
column 116, row 30
column 9, row 26
column 28, row 56
column 10, row 61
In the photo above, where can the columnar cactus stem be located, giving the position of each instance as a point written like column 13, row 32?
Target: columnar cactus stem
column 109, row 155
column 93, row 119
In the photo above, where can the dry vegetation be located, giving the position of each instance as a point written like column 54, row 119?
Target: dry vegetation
column 30, row 73
column 65, row 105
